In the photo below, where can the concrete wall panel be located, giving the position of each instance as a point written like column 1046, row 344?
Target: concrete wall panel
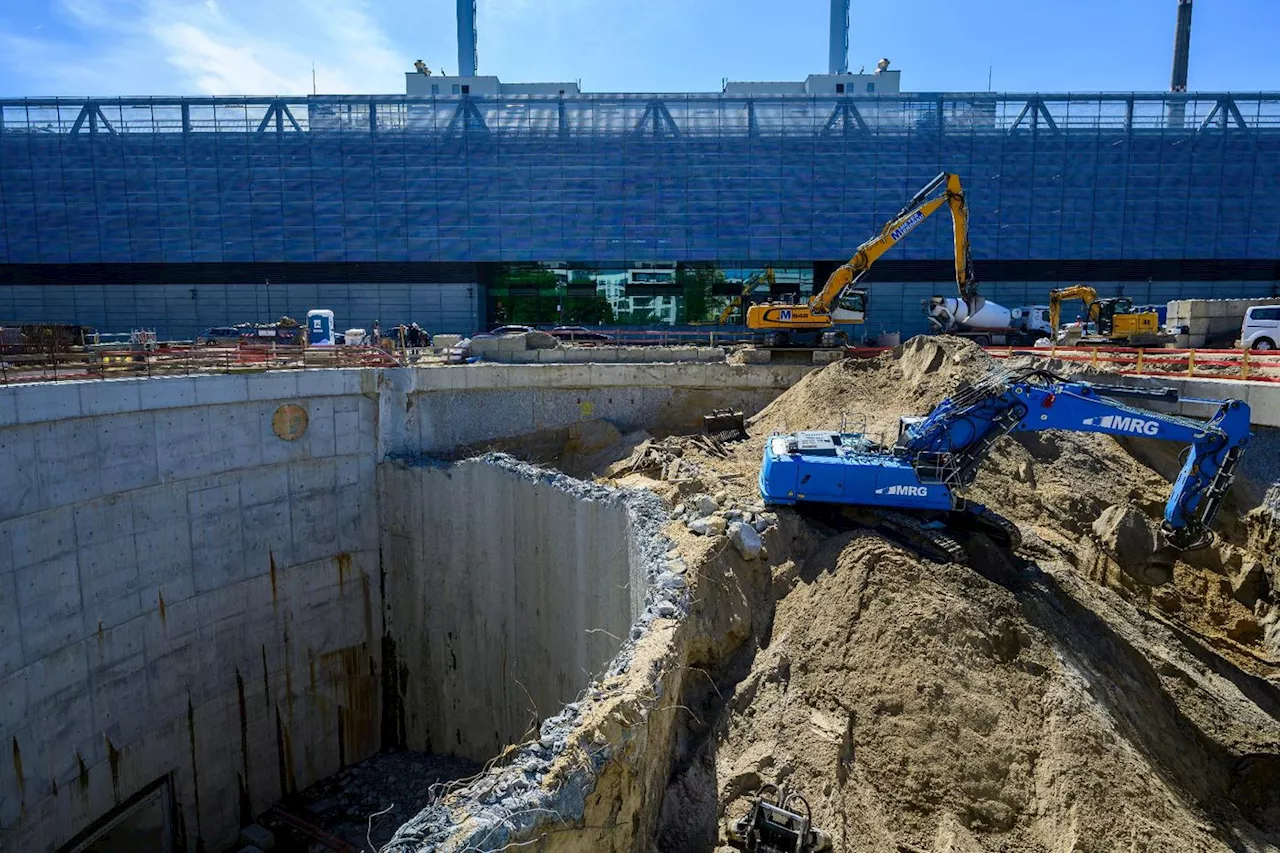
column 173, row 578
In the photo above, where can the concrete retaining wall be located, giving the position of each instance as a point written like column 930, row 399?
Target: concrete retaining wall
column 434, row 409
column 183, row 594
column 186, row 596
column 506, row 589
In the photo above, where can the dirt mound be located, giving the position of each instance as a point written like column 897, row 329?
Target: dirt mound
column 911, row 377
column 1038, row 701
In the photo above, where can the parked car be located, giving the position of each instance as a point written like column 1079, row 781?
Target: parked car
column 1261, row 329
column 215, row 335
column 580, row 333
column 511, row 330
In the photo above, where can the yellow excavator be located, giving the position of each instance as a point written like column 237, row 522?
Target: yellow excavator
column 757, row 278
column 817, row 322
column 1113, row 317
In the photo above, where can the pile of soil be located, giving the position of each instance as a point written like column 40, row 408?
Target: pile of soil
column 1037, row 701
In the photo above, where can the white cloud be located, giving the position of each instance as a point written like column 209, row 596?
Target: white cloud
column 210, row 47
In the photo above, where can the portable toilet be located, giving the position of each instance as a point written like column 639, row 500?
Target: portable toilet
column 320, row 327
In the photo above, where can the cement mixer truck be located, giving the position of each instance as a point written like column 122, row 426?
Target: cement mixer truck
column 988, row 323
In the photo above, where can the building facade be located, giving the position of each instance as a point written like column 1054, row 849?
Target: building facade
column 177, row 214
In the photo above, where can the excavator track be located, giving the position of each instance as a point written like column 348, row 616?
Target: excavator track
column 1001, row 530
column 934, row 543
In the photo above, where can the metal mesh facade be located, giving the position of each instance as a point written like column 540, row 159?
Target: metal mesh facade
column 614, row 179
column 609, row 179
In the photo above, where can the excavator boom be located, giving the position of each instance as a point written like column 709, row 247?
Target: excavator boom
column 1083, row 292
column 818, row 314
column 917, row 210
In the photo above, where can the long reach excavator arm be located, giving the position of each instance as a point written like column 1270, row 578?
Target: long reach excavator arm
column 963, row 429
column 923, row 205
column 936, row 456
column 811, row 321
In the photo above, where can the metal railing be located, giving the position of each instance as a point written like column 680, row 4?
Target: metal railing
column 22, row 365
column 655, row 115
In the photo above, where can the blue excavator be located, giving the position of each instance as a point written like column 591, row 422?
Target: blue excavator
column 911, row 489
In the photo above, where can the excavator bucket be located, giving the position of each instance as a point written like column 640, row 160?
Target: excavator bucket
column 725, row 425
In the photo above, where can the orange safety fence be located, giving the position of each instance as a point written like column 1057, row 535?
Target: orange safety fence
column 1251, row 365
column 169, row 360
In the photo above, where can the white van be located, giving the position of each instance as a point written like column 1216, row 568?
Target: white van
column 1261, row 329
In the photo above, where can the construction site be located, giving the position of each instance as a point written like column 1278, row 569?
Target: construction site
column 489, row 607
column 774, row 553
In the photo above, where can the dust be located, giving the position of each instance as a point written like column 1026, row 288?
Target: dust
column 1038, row 701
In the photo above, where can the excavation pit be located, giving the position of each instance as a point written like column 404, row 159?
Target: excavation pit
column 231, row 620
column 209, row 595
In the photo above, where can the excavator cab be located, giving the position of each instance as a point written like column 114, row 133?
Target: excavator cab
column 851, row 307
column 1105, row 312
column 1117, row 319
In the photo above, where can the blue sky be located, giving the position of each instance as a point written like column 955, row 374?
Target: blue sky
column 128, row 47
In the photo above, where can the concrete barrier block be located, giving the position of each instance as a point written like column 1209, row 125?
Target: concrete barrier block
column 488, row 376
column 550, row 356
column 215, row 390
column 273, row 386
column 444, row 340
column 327, row 383
column 42, row 401
column 567, row 376
column 1199, row 309
column 691, row 375
column 579, row 355
column 441, row 377
column 168, row 392
column 1217, row 308
column 8, row 407
column 108, row 397
column 1264, row 403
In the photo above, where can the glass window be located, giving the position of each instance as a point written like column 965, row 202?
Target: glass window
column 871, row 87
column 435, row 88
column 455, row 88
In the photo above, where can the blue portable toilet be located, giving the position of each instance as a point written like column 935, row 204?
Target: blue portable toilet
column 320, row 327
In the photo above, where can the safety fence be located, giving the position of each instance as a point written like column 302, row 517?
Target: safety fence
column 31, row 365
column 38, row 364
column 1251, row 365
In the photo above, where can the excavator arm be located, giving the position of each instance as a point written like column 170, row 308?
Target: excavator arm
column 1082, row 292
column 923, row 205
column 958, row 435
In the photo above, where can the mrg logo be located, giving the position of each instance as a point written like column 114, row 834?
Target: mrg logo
column 905, row 228
column 909, row 491
column 1125, row 423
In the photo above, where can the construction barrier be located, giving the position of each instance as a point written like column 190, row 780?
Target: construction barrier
column 181, row 360
column 1251, row 365
column 171, row 360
